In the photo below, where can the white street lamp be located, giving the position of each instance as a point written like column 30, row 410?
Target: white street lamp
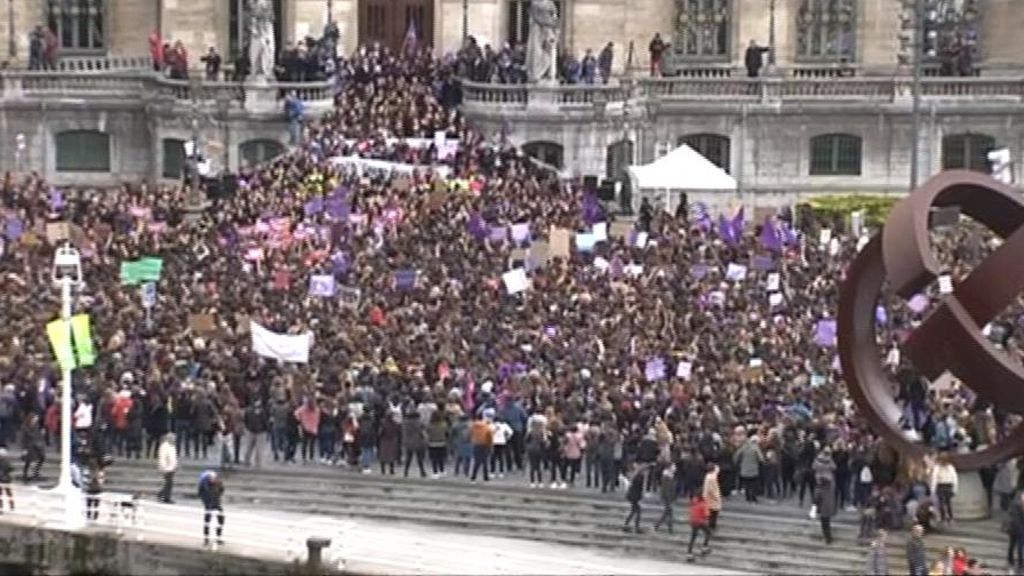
column 67, row 273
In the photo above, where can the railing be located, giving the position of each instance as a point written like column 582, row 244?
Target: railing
column 254, row 535
column 46, row 84
column 501, row 94
column 104, row 63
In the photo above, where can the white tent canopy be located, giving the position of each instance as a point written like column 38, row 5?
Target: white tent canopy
column 681, row 169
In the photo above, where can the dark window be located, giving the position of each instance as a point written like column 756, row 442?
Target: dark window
column 390, row 22
column 835, row 155
column 174, row 158
column 238, row 28
column 618, row 157
column 256, row 152
column 826, row 30
column 702, row 30
column 78, row 24
column 83, row 151
column 714, row 147
column 967, row 151
column 547, row 152
column 519, row 20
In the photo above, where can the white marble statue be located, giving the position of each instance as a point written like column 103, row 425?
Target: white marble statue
column 542, row 47
column 261, row 39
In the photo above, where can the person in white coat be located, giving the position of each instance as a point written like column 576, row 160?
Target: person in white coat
column 943, row 487
column 167, row 463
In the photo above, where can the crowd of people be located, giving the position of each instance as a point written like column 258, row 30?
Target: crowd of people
column 672, row 350
column 507, row 65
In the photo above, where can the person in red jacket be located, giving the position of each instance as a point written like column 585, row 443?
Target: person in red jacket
column 699, row 519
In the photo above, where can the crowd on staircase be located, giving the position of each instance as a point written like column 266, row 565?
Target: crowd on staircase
column 469, row 310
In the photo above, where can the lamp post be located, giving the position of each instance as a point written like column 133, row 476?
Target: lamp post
column 771, row 35
column 918, row 57
column 465, row 21
column 12, row 44
column 67, row 273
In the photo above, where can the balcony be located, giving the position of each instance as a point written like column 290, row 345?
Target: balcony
column 146, row 86
column 731, row 90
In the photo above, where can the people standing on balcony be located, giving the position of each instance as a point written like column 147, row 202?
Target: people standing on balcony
column 51, row 49
column 156, row 50
column 211, row 61
column 656, row 49
column 754, row 59
column 604, row 62
column 177, row 61
column 35, row 49
column 588, row 67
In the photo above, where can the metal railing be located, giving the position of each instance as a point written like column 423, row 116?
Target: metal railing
column 246, row 534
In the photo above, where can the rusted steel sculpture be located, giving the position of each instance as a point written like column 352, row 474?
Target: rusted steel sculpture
column 950, row 337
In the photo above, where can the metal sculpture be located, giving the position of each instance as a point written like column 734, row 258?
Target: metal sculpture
column 950, row 336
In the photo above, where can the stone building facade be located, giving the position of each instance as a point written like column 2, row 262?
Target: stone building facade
column 868, row 35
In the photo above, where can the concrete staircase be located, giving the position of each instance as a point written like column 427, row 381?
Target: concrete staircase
column 763, row 538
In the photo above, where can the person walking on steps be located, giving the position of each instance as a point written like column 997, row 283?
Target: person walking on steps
column 668, row 494
column 917, row 556
column 211, row 493
column 699, row 519
column 167, row 463
column 825, row 500
column 6, row 470
column 634, row 494
column 712, row 493
column 33, row 448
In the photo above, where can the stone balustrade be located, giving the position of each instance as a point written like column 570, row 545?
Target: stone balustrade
column 738, row 90
column 96, row 64
column 125, row 85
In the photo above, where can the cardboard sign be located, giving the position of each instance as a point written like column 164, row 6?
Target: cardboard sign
column 561, row 242
column 58, row 232
column 620, row 229
column 202, row 323
column 436, row 200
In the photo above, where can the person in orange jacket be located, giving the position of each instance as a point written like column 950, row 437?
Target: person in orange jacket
column 481, row 436
column 699, row 522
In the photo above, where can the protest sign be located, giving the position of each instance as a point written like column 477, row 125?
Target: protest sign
column 561, row 242
column 58, row 232
column 515, row 281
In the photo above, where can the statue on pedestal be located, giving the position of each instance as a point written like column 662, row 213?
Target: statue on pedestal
column 261, row 39
column 542, row 47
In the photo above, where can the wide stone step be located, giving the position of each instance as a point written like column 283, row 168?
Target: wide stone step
column 764, row 537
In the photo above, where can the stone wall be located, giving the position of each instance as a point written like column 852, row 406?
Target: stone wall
column 47, row 551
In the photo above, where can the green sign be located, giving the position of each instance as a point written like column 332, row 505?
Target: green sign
column 143, row 270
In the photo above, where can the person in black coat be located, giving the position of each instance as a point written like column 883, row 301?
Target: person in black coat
column 414, row 442
column 211, row 493
column 754, row 59
column 634, row 494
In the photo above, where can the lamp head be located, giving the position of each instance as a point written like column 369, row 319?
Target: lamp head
column 67, row 264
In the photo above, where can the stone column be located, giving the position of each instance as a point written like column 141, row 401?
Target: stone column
column 1001, row 23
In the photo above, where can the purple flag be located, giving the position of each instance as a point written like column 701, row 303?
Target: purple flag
column 787, row 234
column 551, row 331
column 825, row 333
column 56, row 200
column 314, row 207
column 726, row 231
column 770, row 237
column 411, row 42
column 405, row 279
column 338, row 208
column 655, row 369
column 478, row 227
column 739, row 223
column 339, row 264
column 14, row 228
column 592, row 211
column 321, row 285
column 918, row 304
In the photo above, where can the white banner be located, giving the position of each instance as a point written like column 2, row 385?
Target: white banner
column 283, row 347
column 360, row 164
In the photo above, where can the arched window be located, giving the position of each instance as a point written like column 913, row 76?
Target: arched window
column 174, row 158
column 967, row 151
column 835, row 155
column 255, row 152
column 549, row 153
column 826, row 30
column 83, row 151
column 702, row 30
column 519, row 20
column 714, row 147
column 78, row 24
